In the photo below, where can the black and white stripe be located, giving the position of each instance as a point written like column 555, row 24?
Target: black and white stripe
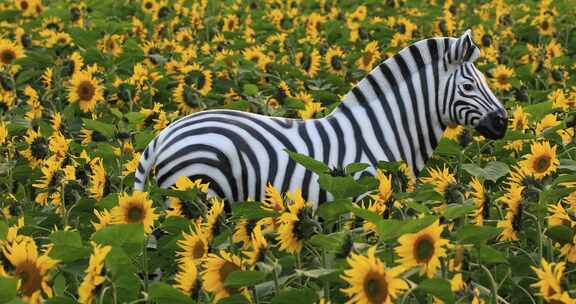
column 397, row 112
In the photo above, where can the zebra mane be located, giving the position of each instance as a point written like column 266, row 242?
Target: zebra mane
column 431, row 49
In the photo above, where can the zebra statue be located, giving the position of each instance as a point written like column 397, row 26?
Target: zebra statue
column 397, row 112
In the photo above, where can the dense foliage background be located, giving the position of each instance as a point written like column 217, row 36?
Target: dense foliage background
column 85, row 85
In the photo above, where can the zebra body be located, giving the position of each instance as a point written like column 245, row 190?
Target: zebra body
column 397, row 112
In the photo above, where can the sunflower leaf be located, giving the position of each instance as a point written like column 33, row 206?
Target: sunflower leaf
column 291, row 296
column 560, row 234
column 105, row 129
column 67, row 246
column 309, row 163
column 439, row 288
column 331, row 210
column 164, row 293
column 8, row 288
column 245, row 278
column 476, row 234
column 129, row 237
column 490, row 255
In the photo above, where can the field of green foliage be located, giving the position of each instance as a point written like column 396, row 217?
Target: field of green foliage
column 85, row 85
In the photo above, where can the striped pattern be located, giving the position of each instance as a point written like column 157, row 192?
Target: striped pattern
column 397, row 112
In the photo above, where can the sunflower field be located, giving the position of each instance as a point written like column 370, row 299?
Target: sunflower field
column 85, row 85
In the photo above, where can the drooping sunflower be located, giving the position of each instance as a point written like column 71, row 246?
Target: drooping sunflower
column 31, row 269
column 423, row 248
column 296, row 225
column 542, row 161
column 369, row 57
column 481, row 202
column 187, row 209
column 214, row 218
column 550, row 276
column 501, row 75
column 98, row 181
column 559, row 216
column 135, row 209
column 371, row 281
column 259, row 247
column 186, row 278
column 194, row 245
column 85, row 90
column 94, row 274
column 309, row 63
column 512, row 222
column 243, row 231
column 9, row 51
column 444, row 183
column 217, row 267
column 38, row 149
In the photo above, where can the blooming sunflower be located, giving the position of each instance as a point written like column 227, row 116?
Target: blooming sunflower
column 186, row 277
column 31, row 269
column 104, row 218
column 185, row 99
column 371, row 281
column 481, row 202
column 501, row 75
column 384, row 187
column 311, row 110
column 98, row 182
column 444, row 183
column 335, row 61
column 217, row 267
column 194, row 245
column 453, row 131
column 309, row 63
column 94, row 274
column 242, row 232
column 296, row 225
column 38, row 149
column 542, row 161
column 549, row 278
column 423, row 249
column 9, row 51
column 369, row 57
column 135, row 208
column 85, row 90
column 111, row 44
column 259, row 247
column 214, row 218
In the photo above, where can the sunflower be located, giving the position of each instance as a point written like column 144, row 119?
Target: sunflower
column 194, row 245
column 568, row 251
column 86, row 90
column 135, row 208
column 197, row 78
column 214, row 218
column 371, row 281
column 501, row 75
column 519, row 124
column 444, row 183
column 542, row 161
column 335, row 61
column 38, row 149
column 242, row 232
column 104, row 218
column 273, row 201
column 28, row 7
column 53, row 24
column 52, row 175
column 311, row 109
column 31, row 269
column 369, row 57
column 259, row 247
column 98, row 181
column 512, row 222
column 111, row 44
column 384, row 187
column 545, row 24
column 296, row 225
column 256, row 54
column 559, row 216
column 453, row 132
column 549, row 278
column 481, row 202
column 186, row 278
column 308, row 62
column 186, row 101
column 9, row 51
column 424, row 249
column 71, row 66
column 94, row 273
column 217, row 267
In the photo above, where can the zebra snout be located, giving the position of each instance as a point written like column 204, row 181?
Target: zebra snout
column 493, row 125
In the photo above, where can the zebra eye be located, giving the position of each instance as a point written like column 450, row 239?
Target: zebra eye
column 468, row 87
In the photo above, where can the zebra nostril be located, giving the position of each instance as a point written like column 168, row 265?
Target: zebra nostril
column 500, row 122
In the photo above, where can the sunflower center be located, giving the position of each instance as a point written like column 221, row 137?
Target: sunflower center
column 85, row 90
column 39, row 148
column 367, row 58
column 196, row 78
column 502, row 79
column 542, row 163
column 519, row 125
column 148, row 5
column 224, row 271
column 190, row 99
column 7, row 56
column 135, row 214
column 375, row 287
column 544, row 25
column 30, row 276
column 424, row 249
column 306, row 62
column 24, row 5
column 336, row 63
column 198, row 250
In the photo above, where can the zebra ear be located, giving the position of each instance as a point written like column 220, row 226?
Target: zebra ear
column 464, row 49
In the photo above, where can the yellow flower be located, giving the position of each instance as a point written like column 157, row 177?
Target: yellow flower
column 31, row 269
column 369, row 57
column 481, row 202
column 104, row 219
column 97, row 179
column 440, row 178
column 217, row 267
column 335, row 61
column 453, row 131
column 197, row 78
column 512, row 221
column 501, row 75
column 94, row 276
column 135, row 209
column 214, row 218
column 311, row 110
column 549, row 278
column 542, row 161
column 309, row 63
column 130, row 166
column 371, row 281
column 186, row 277
column 259, row 247
column 9, row 51
column 242, row 232
column 85, row 90
column 559, row 216
column 185, row 208
column 423, row 249
column 294, row 227
column 111, row 44
column 194, row 245
column 3, row 133
column 38, row 149
column 384, row 187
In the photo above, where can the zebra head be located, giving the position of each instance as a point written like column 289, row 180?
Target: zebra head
column 469, row 99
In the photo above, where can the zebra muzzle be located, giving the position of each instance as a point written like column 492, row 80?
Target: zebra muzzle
column 493, row 125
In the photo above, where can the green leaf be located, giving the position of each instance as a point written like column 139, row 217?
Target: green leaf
column 561, row 234
column 554, row 194
column 391, row 229
column 309, row 163
column 105, row 129
column 476, row 234
column 234, row 299
column 8, row 289
column 342, row 186
column 448, row 147
column 59, row 300
column 164, row 293
column 567, row 164
column 129, row 237
column 237, row 105
column 489, row 255
column 186, row 195
column 439, row 288
column 3, row 230
column 318, row 273
column 67, row 246
column 332, row 210
column 142, row 139
column 330, row 242
column 245, row 278
column 356, row 167
column 250, row 89
column 493, row 170
column 251, row 210
column 135, row 118
column 300, row 296
column 456, row 211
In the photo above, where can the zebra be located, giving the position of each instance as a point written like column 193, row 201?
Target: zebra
column 396, row 112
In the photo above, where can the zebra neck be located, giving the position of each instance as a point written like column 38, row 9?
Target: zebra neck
column 395, row 117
